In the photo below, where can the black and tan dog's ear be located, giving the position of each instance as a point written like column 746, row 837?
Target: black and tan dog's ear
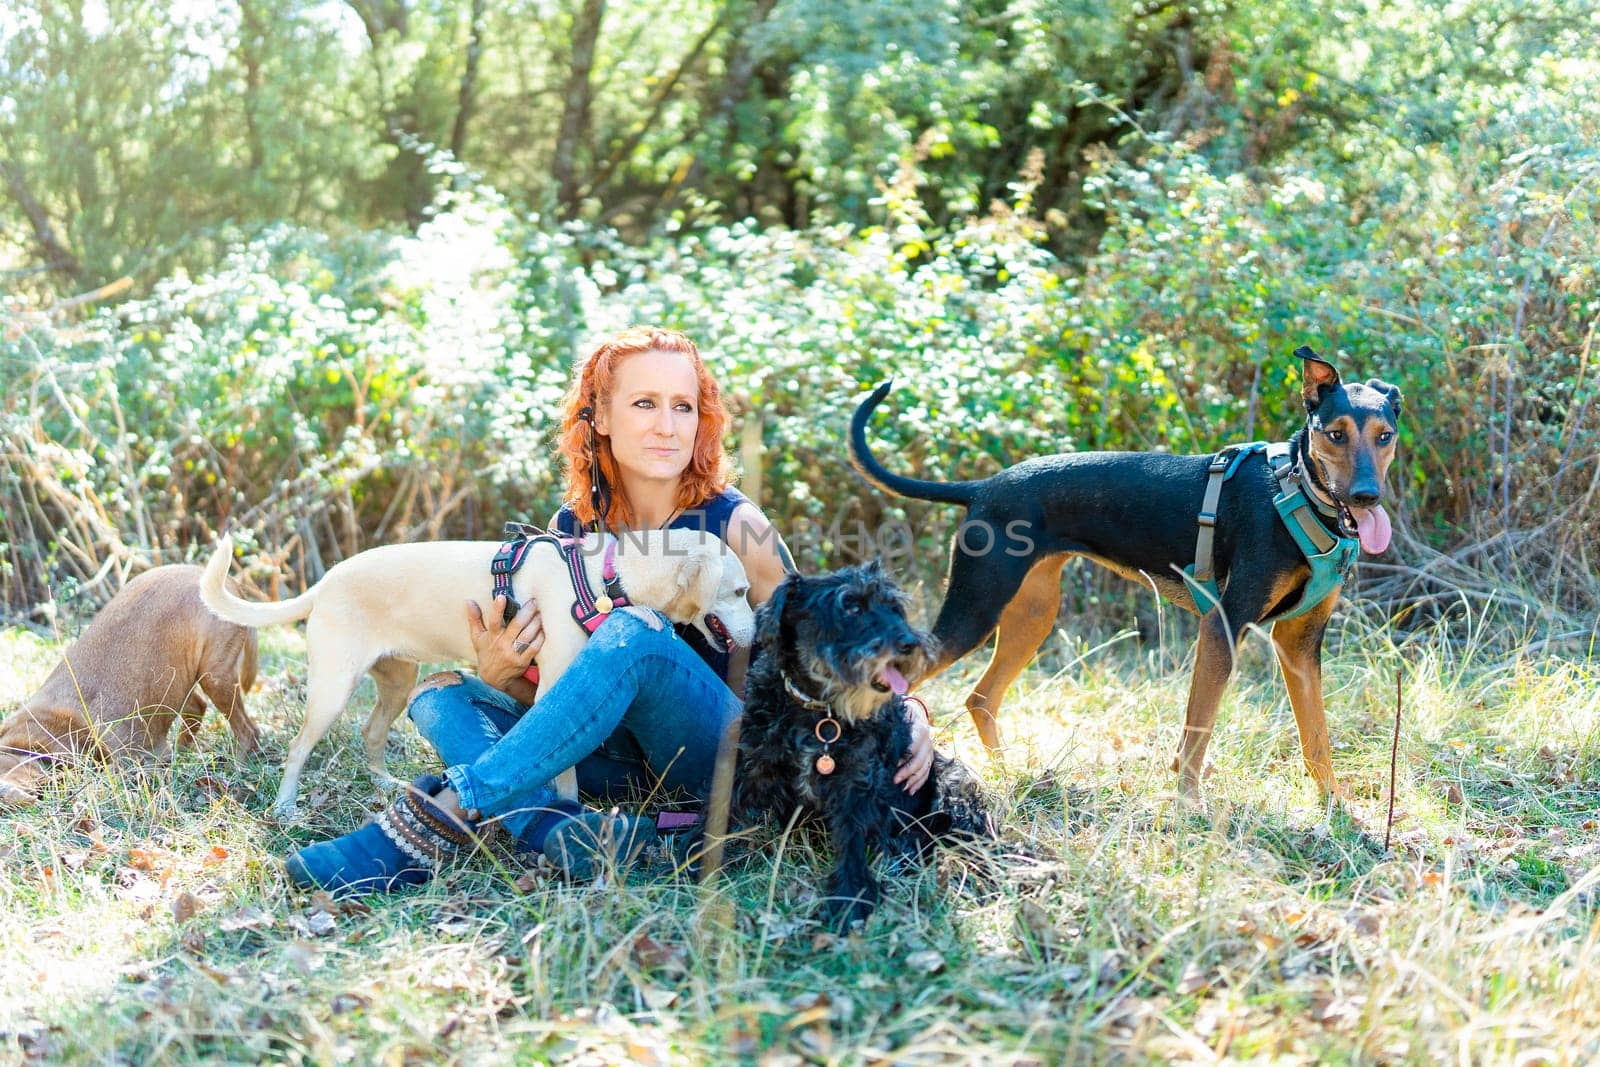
column 1317, row 375
column 1390, row 391
column 769, row 616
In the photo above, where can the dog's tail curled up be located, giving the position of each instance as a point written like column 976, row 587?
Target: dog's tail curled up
column 214, row 591
column 874, row 472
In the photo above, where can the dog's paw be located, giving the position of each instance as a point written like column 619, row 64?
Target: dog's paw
column 846, row 915
column 1192, row 803
column 14, row 796
column 284, row 811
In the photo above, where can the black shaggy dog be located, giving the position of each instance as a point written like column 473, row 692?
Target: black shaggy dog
column 824, row 729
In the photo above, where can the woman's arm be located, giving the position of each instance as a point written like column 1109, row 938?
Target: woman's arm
column 759, row 547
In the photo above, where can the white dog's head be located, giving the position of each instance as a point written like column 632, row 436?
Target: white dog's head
column 690, row 576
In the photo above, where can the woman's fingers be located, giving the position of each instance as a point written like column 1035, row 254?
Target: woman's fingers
column 531, row 636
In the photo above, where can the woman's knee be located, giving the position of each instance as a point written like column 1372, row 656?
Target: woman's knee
column 431, row 696
column 635, row 630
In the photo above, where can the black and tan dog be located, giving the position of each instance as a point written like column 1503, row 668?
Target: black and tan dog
column 824, row 729
column 1138, row 514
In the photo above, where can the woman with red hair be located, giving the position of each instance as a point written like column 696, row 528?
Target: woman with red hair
column 640, row 708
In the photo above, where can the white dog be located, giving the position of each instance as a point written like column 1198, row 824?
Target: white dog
column 387, row 609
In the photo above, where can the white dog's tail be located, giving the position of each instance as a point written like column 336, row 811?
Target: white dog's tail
column 214, row 591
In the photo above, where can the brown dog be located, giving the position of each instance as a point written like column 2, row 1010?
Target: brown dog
column 142, row 662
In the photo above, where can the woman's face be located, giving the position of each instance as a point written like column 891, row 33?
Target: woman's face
column 653, row 415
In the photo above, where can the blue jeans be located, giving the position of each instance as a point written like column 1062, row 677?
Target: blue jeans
column 637, row 708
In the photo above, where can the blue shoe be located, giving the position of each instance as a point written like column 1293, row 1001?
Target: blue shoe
column 403, row 845
column 582, row 845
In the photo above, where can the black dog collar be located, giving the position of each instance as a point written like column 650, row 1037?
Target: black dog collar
column 828, row 729
column 810, row 703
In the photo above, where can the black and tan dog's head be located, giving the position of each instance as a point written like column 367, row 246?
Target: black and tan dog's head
column 843, row 638
column 1350, row 439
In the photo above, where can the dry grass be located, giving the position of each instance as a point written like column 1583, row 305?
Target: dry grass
column 146, row 920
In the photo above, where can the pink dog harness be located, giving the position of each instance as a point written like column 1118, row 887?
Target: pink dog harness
column 588, row 610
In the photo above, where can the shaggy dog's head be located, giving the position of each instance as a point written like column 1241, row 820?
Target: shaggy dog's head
column 843, row 638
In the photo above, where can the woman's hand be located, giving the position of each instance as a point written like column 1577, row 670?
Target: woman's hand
column 919, row 757
column 505, row 650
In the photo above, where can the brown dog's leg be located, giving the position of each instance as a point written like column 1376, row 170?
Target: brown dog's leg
column 1213, row 666
column 394, row 678
column 1298, row 643
column 226, row 680
column 1024, row 625
column 194, row 710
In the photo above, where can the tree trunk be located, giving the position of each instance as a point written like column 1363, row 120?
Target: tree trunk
column 252, row 40
column 55, row 253
column 739, row 72
column 575, row 106
column 657, row 102
column 407, row 174
column 469, row 82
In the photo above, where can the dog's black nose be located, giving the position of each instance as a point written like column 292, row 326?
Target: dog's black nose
column 1364, row 500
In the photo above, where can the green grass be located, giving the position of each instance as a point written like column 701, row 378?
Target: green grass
column 146, row 919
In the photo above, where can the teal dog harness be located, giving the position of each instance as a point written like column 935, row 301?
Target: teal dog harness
column 1330, row 556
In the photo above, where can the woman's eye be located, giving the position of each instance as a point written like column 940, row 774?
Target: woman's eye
column 647, row 404
column 687, row 409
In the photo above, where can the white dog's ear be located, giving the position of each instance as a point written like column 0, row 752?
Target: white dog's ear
column 697, row 583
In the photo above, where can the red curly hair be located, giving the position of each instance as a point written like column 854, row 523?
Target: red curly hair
column 710, row 470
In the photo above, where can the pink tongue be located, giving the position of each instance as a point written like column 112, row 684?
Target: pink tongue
column 1372, row 526
column 894, row 680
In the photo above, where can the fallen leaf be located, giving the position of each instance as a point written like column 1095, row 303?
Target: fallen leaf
column 193, row 940
column 1432, row 878
column 1334, row 1011
column 317, row 923
column 144, row 859
column 1366, row 922
column 251, row 918
column 184, row 907
column 927, row 962
column 344, row 1003
column 652, row 955
column 214, row 857
column 1192, row 980
column 657, row 997
column 1453, row 794
column 1036, row 929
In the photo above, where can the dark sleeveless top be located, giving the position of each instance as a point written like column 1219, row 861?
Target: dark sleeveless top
column 711, row 517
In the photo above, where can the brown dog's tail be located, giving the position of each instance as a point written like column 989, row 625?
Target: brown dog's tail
column 962, row 493
column 214, row 591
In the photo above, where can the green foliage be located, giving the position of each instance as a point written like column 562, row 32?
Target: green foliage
column 1055, row 228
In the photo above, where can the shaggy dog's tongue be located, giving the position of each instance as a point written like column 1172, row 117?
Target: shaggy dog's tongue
column 894, row 680
column 1372, row 526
